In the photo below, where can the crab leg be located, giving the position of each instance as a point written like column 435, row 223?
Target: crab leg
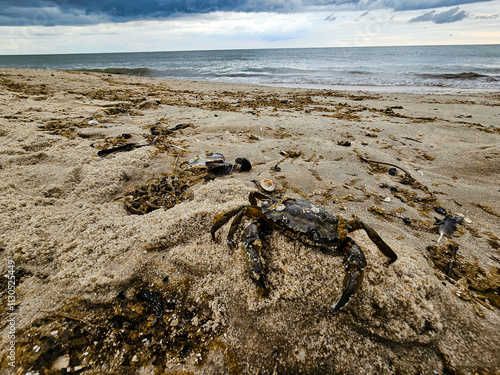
column 251, row 247
column 221, row 219
column 376, row 239
column 255, row 196
column 355, row 263
column 252, row 211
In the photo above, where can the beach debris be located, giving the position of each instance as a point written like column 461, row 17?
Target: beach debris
column 161, row 192
column 447, row 226
column 125, row 147
column 93, row 122
column 440, row 210
column 407, row 221
column 267, row 185
column 277, row 168
column 387, row 199
column 393, row 171
column 486, row 208
column 412, row 139
column 302, row 219
column 146, row 323
column 207, row 161
column 216, row 165
column 344, row 143
column 153, row 300
column 290, row 153
column 475, row 284
column 244, row 164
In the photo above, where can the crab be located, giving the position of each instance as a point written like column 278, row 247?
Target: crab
column 312, row 225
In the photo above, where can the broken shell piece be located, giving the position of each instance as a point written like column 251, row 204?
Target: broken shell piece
column 267, row 185
column 387, row 199
column 207, row 161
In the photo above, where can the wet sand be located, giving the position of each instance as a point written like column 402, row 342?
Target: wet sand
column 100, row 289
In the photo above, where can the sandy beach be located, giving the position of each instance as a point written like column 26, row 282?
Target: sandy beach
column 115, row 270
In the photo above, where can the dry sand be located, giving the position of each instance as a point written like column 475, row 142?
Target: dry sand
column 100, row 290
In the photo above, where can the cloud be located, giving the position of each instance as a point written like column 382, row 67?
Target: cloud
column 87, row 12
column 451, row 15
column 331, row 17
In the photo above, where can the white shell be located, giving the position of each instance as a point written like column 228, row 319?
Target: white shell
column 267, row 185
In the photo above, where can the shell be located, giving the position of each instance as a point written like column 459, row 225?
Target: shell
column 267, row 185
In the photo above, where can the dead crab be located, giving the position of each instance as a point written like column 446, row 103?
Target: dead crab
column 301, row 219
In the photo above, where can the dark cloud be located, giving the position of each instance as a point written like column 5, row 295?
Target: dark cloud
column 452, row 15
column 81, row 12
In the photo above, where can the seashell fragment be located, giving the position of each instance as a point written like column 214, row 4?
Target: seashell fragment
column 267, row 185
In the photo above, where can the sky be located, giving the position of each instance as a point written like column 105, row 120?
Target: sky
column 85, row 26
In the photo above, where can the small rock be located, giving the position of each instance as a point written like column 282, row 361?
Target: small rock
column 440, row 210
column 61, row 362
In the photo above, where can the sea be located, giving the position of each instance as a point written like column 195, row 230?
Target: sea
column 415, row 69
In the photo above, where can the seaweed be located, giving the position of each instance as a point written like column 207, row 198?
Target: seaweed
column 474, row 283
column 146, row 324
column 162, row 192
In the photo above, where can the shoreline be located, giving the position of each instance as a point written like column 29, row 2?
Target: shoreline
column 83, row 262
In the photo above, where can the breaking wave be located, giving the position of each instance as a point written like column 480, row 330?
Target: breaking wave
column 461, row 76
column 142, row 72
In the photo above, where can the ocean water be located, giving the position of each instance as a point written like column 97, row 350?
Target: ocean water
column 408, row 69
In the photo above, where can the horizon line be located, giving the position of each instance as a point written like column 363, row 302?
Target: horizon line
column 252, row 49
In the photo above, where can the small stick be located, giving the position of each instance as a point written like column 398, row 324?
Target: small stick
column 381, row 162
column 412, row 139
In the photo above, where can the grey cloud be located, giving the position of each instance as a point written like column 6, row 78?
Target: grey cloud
column 451, row 15
column 331, row 17
column 82, row 12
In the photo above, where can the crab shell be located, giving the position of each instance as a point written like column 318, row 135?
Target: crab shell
column 311, row 223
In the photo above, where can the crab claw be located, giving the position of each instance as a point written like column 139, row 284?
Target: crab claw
column 355, row 264
column 251, row 247
column 352, row 282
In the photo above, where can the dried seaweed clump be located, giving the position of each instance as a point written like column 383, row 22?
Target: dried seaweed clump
column 146, row 324
column 68, row 129
column 165, row 191
column 474, row 282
